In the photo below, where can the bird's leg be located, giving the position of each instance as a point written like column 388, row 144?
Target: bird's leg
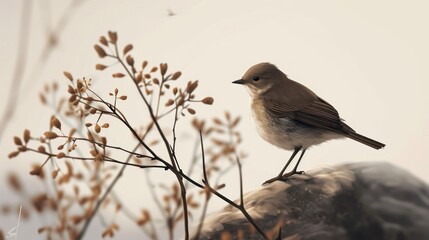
column 284, row 177
column 280, row 176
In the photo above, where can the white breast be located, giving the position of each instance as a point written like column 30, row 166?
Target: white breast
column 286, row 133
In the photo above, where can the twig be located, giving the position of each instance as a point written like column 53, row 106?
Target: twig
column 167, row 145
column 106, row 193
column 101, row 200
column 113, row 183
column 139, row 155
column 155, row 198
column 203, row 215
column 193, row 161
column 106, row 159
column 240, row 172
column 159, row 95
column 232, row 203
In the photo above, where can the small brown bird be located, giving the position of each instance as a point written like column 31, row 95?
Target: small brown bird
column 291, row 116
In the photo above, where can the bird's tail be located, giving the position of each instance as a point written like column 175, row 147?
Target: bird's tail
column 367, row 141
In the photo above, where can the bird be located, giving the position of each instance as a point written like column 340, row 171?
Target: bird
column 291, row 116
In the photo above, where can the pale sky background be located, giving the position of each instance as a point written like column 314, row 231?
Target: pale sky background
column 367, row 58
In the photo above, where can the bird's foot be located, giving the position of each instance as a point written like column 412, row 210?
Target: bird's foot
column 273, row 179
column 283, row 177
column 287, row 175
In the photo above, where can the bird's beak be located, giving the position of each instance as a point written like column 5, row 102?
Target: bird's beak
column 239, row 81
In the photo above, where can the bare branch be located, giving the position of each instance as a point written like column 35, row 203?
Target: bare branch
column 232, row 203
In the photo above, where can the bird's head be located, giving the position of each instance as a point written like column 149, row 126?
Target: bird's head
column 262, row 77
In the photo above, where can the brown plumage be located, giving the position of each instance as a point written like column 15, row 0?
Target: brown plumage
column 291, row 116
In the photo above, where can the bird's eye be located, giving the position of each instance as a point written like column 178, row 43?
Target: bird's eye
column 255, row 78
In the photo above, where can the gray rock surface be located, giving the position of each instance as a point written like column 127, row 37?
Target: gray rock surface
column 368, row 200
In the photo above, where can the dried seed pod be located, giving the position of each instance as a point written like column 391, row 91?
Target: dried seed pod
column 61, row 155
column 228, row 116
column 56, row 123
column 235, row 122
column 176, row 75
column 130, row 60
column 72, row 148
column 109, row 232
column 13, row 154
column 79, row 85
column 191, row 111
column 169, row 102
column 118, row 75
column 17, row 141
column 41, row 149
column 50, row 135
column 103, row 41
column 46, row 88
column 72, row 98
column 100, row 51
column 42, row 98
column 163, row 67
column 144, row 64
column 54, row 86
column 26, row 136
column 68, row 75
column 69, row 168
column 191, row 86
column 181, row 101
column 22, row 148
column 99, row 157
column 93, row 152
column 37, row 171
column 97, row 128
column 208, row 100
column 139, row 77
column 100, row 67
column 71, row 133
column 71, row 90
column 123, row 97
column 218, row 121
column 219, row 187
column 144, row 219
column 198, row 124
column 113, row 37
column 54, row 173
column 127, row 48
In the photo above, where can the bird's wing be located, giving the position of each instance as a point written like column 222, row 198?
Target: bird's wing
column 316, row 113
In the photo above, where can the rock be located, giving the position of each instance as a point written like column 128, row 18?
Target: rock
column 351, row 201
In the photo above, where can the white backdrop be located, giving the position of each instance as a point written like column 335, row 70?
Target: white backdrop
column 367, row 58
